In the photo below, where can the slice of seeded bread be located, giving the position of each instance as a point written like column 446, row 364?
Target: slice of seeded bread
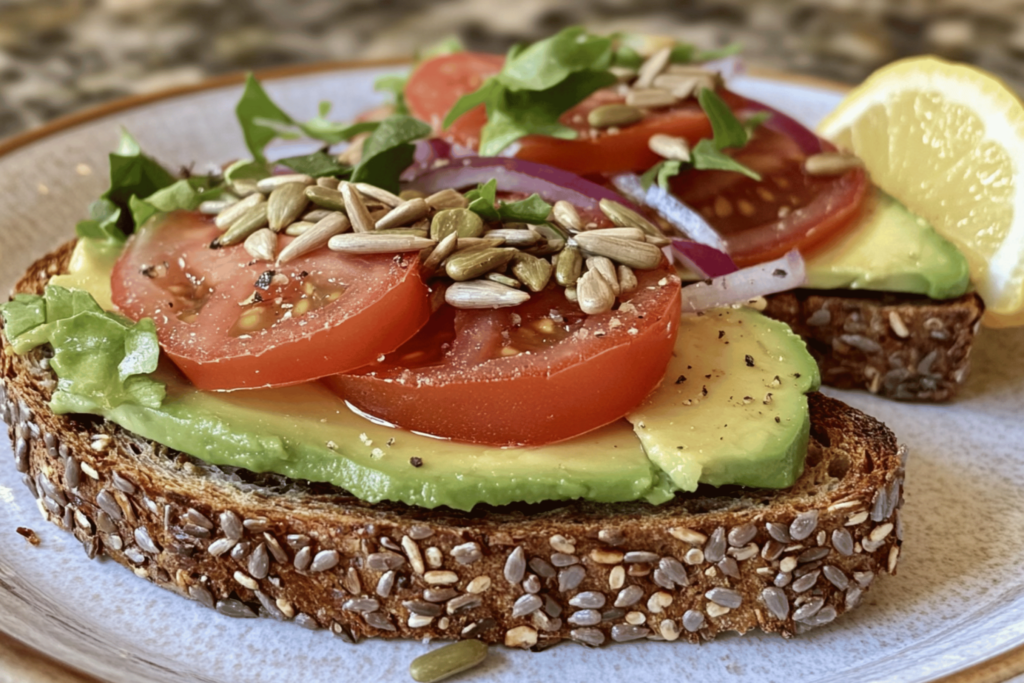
column 901, row 346
column 249, row 545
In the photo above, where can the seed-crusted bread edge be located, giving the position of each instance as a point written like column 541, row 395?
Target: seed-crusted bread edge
column 904, row 347
column 527, row 576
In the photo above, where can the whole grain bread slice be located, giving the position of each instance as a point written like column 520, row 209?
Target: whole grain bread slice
column 248, row 544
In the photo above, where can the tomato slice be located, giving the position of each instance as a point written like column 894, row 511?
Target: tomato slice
column 435, row 86
column 788, row 209
column 318, row 315
column 525, row 376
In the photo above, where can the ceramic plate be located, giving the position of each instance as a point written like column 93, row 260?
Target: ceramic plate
column 956, row 607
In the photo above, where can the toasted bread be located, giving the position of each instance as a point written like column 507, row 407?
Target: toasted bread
column 248, row 544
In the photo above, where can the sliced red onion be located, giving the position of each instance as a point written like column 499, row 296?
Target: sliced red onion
column 704, row 260
column 771, row 277
column 516, row 175
column 682, row 217
column 808, row 142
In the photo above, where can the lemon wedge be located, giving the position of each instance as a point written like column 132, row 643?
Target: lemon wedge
column 948, row 141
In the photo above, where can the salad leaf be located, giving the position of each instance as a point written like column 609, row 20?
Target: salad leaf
column 708, row 157
column 317, row 164
column 102, row 223
column 727, row 130
column 627, row 57
column 319, row 128
column 483, row 200
column 388, row 151
column 186, row 194
column 260, row 118
column 101, row 359
column 246, row 168
column 448, row 45
column 396, row 86
column 548, row 62
column 661, row 172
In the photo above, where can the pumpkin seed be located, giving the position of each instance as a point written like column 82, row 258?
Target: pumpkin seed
column 669, row 146
column 626, row 217
column 831, row 163
column 261, row 244
column 606, row 269
column 316, row 237
column 328, row 182
column 298, row 227
column 463, row 222
column 231, row 214
column 594, row 293
column 483, row 294
column 569, row 266
column 652, row 98
column 406, row 195
column 447, row 199
column 379, row 194
column 212, row 207
column 273, row 182
column 566, row 215
column 472, row 263
column 403, row 214
column 443, row 250
column 635, row 234
column 627, row 279
column 316, row 215
column 285, row 204
column 446, row 661
column 503, row 280
column 640, row 255
column 515, row 238
column 608, row 115
column 325, row 197
column 356, row 209
column 531, row 271
column 248, row 223
column 652, row 67
column 374, row 243
column 243, row 187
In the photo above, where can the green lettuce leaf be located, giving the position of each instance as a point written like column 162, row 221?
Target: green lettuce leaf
column 102, row 360
column 395, row 85
column 261, row 120
column 483, row 200
column 186, row 194
column 388, row 151
column 317, row 164
column 707, row 157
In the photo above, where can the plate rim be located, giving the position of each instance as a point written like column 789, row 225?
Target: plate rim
column 34, row 666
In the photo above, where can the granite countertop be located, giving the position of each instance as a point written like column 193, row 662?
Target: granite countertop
column 58, row 56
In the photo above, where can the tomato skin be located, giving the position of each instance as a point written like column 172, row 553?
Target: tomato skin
column 435, row 86
column 476, row 395
column 381, row 303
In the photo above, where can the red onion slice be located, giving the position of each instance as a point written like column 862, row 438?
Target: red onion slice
column 704, row 260
column 682, row 217
column 770, row 277
column 805, row 138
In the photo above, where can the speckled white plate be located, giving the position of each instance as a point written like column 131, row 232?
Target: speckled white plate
column 955, row 610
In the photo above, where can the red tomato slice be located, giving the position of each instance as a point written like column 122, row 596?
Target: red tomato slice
column 530, row 375
column 324, row 313
column 788, row 209
column 435, row 86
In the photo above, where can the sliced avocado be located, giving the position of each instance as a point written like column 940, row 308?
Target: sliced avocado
column 891, row 250
column 733, row 406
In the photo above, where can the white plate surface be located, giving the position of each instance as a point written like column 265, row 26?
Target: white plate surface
column 958, row 599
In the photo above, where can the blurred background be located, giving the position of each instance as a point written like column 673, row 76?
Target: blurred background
column 58, row 56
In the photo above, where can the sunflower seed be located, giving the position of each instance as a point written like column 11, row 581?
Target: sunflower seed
column 831, row 163
column 836, row 577
column 385, row 584
column 467, row 553
column 483, row 294
column 680, row 85
column 232, row 213
column 812, row 555
column 653, row 67
column 624, row 633
column 273, row 182
column 532, row 271
column 776, row 601
column 373, row 243
column 479, row 585
column 249, row 222
column 526, row 605
column 650, row 98
column 504, row 280
column 423, row 609
column 804, row 525
column 570, row 265
column 328, row 182
column 608, row 115
column 639, row 255
column 515, row 565
column 261, row 244
column 221, row 546
column 447, row 199
column 361, row 605
column 235, row 608
column 316, row 237
column 629, row 596
column 326, row 198
column 514, row 238
column 591, row 637
column 259, row 562
column 634, row 234
column 531, row 584
column 285, row 204
column 448, row 661
column 842, row 541
column 726, row 597
column 806, row 582
column 570, row 578
column 412, row 551
column 440, row 578
column 521, row 636
column 563, row 559
column 606, row 269
column 594, row 293
column 471, row 264
column 566, row 215
column 669, row 147
column 403, row 214
column 588, row 600
column 379, row 194
column 317, row 215
column 201, row 595
column 439, row 253
column 145, row 542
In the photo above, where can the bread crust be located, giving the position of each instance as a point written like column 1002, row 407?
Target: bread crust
column 529, row 576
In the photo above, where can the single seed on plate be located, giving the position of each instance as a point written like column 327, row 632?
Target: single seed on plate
column 328, row 182
column 570, row 265
column 379, row 194
column 626, row 217
column 463, row 222
column 447, row 199
column 316, row 237
column 606, row 269
column 471, row 264
column 514, row 238
column 639, row 255
column 532, row 271
column 831, row 163
column 652, row 98
column 439, row 253
column 297, row 228
column 669, row 146
column 285, row 204
column 271, row 183
column 261, row 244
column 326, row 198
column 504, row 280
column 440, row 578
column 249, row 222
column 356, row 209
column 566, row 215
column 447, row 661
column 372, row 243
column 316, row 215
column 403, row 214
column 483, row 294
column 653, row 67
column 595, row 294
column 627, row 279
column 608, row 115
